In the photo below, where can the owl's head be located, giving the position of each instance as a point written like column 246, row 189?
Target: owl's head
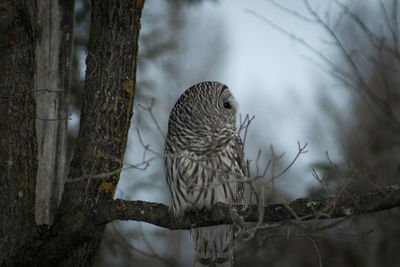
column 204, row 114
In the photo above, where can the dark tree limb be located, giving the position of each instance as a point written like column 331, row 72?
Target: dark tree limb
column 320, row 208
column 53, row 245
column 107, row 109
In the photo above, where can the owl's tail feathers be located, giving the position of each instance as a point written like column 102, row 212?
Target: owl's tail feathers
column 213, row 246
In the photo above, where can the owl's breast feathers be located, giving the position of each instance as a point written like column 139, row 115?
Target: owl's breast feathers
column 206, row 175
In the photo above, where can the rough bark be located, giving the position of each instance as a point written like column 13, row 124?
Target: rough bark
column 105, row 118
column 109, row 91
column 53, row 57
column 55, row 245
column 18, row 147
column 318, row 208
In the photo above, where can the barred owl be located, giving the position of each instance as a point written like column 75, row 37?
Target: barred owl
column 204, row 162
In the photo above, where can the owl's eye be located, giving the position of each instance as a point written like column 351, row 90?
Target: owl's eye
column 227, row 105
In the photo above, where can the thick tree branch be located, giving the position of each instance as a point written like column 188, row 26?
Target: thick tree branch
column 320, row 208
column 54, row 245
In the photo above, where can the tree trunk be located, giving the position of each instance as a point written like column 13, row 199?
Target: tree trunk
column 105, row 117
column 18, row 147
column 76, row 233
column 53, row 57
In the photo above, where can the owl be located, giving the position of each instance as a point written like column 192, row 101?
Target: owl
column 204, row 164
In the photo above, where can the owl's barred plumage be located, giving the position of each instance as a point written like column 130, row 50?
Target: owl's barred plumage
column 204, row 164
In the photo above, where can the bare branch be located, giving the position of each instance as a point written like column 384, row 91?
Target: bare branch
column 335, row 68
column 316, row 250
column 301, row 150
column 244, row 125
column 306, row 208
column 292, row 12
column 149, row 109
